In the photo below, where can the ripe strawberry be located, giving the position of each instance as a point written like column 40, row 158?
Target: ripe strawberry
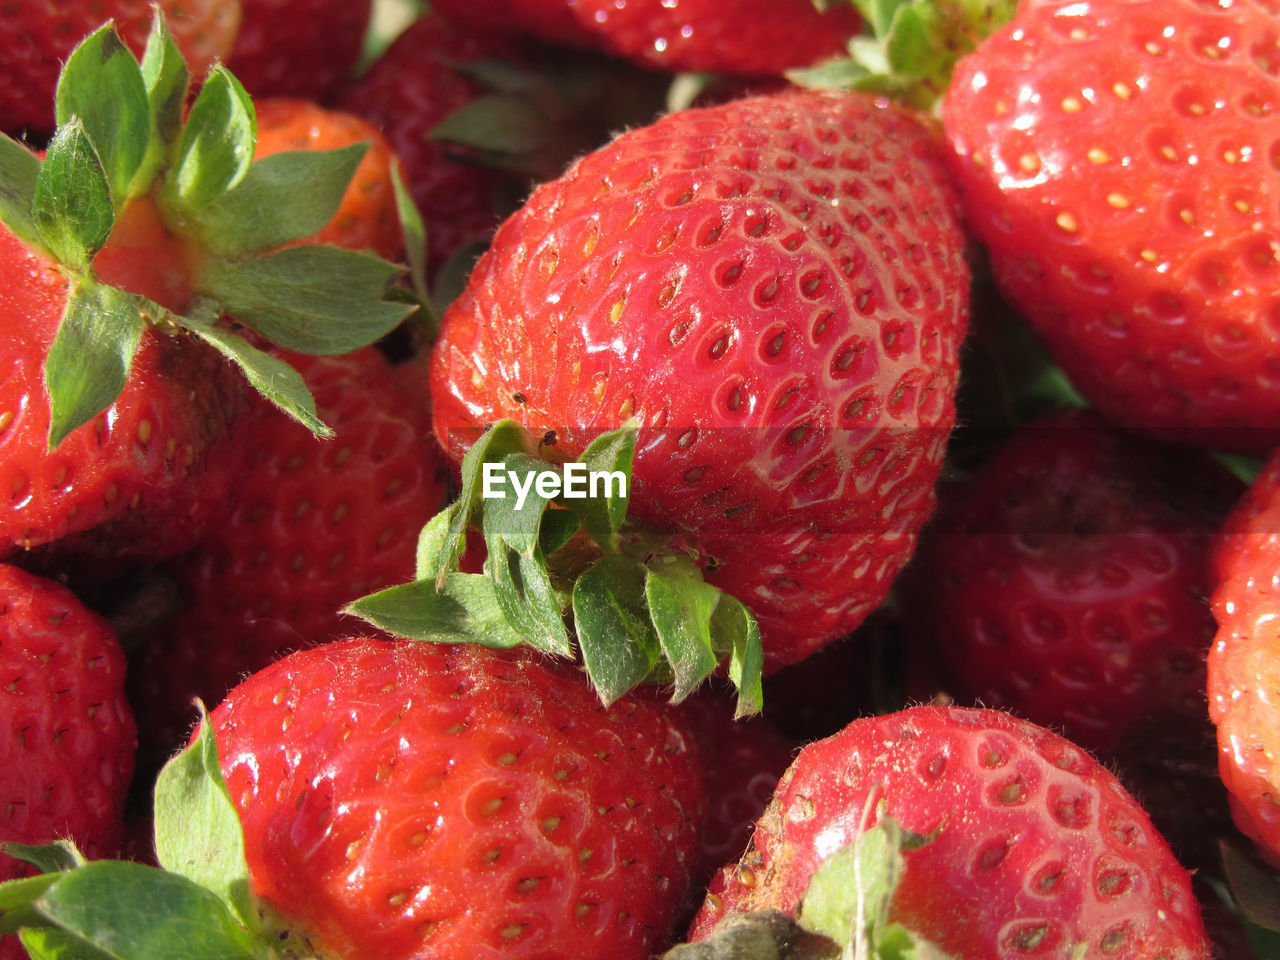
column 123, row 249
column 775, row 289
column 306, row 50
column 728, row 36
column 417, row 82
column 366, row 219
column 1242, row 660
column 1066, row 580
column 1025, row 845
column 66, row 757
column 414, row 800
column 36, row 38
column 1128, row 208
column 313, row 526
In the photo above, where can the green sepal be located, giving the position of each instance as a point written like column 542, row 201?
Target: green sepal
column 270, row 376
column 505, row 130
column 1255, row 886
column 614, row 453
column 49, row 857
column 283, row 197
column 681, row 605
column 101, row 84
column 129, row 911
column 734, row 630
column 90, row 357
column 197, row 828
column 19, row 172
column 72, row 208
column 50, row 943
column 216, row 146
column 515, row 563
column 166, row 78
column 619, row 645
column 414, row 230
column 320, row 301
column 459, row 608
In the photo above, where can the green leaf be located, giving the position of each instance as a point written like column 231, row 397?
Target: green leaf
column 610, row 453
column 433, row 542
column 321, row 301
column 47, row 858
column 464, row 609
column 558, row 528
column 101, row 85
column 498, row 126
column 618, row 643
column 414, row 230
column 18, row 895
column 270, row 376
column 512, row 531
column 71, row 207
column 681, row 605
column 165, row 76
column 49, row 943
column 197, row 828
column 133, row 912
column 216, row 147
column 851, row 890
column 90, row 356
column 503, row 438
column 734, row 631
column 283, row 197
column 19, row 171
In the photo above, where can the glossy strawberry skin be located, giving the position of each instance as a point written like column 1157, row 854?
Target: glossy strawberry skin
column 1243, row 659
column 412, row 800
column 67, row 752
column 1129, row 208
column 144, row 480
column 412, row 87
column 775, row 288
column 366, row 219
column 753, row 37
column 36, row 37
column 1036, row 849
column 314, row 525
column 1066, row 581
column 285, row 48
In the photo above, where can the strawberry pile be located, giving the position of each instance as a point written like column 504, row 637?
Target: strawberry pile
column 709, row 479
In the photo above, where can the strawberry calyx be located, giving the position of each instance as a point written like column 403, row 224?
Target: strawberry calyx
column 122, row 139
column 566, row 574
column 196, row 905
column 910, row 47
column 844, row 915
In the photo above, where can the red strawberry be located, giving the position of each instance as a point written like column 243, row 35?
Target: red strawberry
column 123, row 249
column 1026, row 846
column 775, row 289
column 313, row 526
column 367, row 218
column 730, row 36
column 1066, row 580
column 1129, row 208
column 66, row 757
column 1243, row 665
column 291, row 49
column 36, row 38
column 415, row 800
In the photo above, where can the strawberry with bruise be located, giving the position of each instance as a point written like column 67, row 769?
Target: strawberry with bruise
column 1029, row 846
column 775, row 289
column 1129, row 209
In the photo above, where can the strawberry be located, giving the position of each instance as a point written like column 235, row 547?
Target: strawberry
column 67, row 755
column 366, row 218
column 301, row 50
column 124, row 251
column 1066, row 580
column 775, row 290
column 1018, row 843
column 313, row 526
column 36, row 38
column 753, row 37
column 402, row 800
column 1128, row 208
column 1242, row 660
